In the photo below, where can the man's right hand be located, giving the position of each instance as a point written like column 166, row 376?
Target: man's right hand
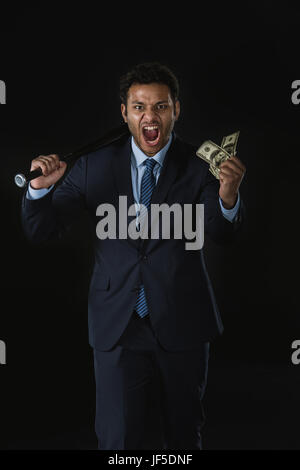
column 52, row 168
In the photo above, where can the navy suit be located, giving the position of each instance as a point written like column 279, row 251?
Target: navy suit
column 183, row 314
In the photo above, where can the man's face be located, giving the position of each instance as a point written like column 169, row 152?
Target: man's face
column 150, row 114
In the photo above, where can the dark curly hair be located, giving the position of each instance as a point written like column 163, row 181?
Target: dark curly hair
column 149, row 72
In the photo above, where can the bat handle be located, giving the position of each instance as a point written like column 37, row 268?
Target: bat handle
column 22, row 179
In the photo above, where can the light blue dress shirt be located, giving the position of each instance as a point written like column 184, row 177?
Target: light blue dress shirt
column 137, row 170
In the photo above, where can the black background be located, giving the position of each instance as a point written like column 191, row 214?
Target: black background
column 235, row 67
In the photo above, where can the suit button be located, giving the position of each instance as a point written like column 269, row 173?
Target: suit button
column 145, row 258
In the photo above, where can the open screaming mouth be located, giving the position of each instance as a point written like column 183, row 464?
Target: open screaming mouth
column 151, row 134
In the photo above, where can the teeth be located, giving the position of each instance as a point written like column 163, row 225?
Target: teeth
column 151, row 128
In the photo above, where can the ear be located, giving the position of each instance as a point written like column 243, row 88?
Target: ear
column 124, row 112
column 177, row 110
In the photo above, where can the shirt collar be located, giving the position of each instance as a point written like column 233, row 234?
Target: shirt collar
column 138, row 157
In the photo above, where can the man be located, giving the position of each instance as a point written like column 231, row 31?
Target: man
column 152, row 311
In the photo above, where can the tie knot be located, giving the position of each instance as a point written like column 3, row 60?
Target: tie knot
column 150, row 164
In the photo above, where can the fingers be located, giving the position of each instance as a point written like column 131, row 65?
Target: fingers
column 228, row 177
column 237, row 162
column 230, row 170
column 48, row 164
column 233, row 166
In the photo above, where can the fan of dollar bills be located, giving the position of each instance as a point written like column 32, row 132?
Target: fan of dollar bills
column 215, row 155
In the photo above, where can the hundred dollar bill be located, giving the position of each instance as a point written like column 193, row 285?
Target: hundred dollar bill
column 229, row 143
column 215, row 155
column 214, row 171
column 212, row 153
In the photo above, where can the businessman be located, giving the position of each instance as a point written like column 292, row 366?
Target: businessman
column 152, row 311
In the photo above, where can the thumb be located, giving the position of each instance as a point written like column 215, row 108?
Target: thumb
column 62, row 167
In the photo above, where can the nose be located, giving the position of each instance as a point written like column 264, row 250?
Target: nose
column 150, row 114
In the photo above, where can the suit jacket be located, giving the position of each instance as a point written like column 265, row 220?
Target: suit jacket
column 182, row 306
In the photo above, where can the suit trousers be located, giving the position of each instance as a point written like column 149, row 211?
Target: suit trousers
column 147, row 397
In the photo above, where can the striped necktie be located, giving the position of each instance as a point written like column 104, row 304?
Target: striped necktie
column 147, row 186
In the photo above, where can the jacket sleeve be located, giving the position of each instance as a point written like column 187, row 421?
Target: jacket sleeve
column 47, row 218
column 216, row 226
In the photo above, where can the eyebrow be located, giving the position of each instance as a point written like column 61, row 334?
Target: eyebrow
column 158, row 102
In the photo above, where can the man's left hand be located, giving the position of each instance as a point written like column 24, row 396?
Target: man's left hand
column 231, row 174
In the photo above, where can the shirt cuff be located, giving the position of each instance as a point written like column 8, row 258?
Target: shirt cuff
column 33, row 194
column 230, row 214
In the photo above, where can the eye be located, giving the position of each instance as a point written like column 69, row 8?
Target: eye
column 138, row 107
column 162, row 106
